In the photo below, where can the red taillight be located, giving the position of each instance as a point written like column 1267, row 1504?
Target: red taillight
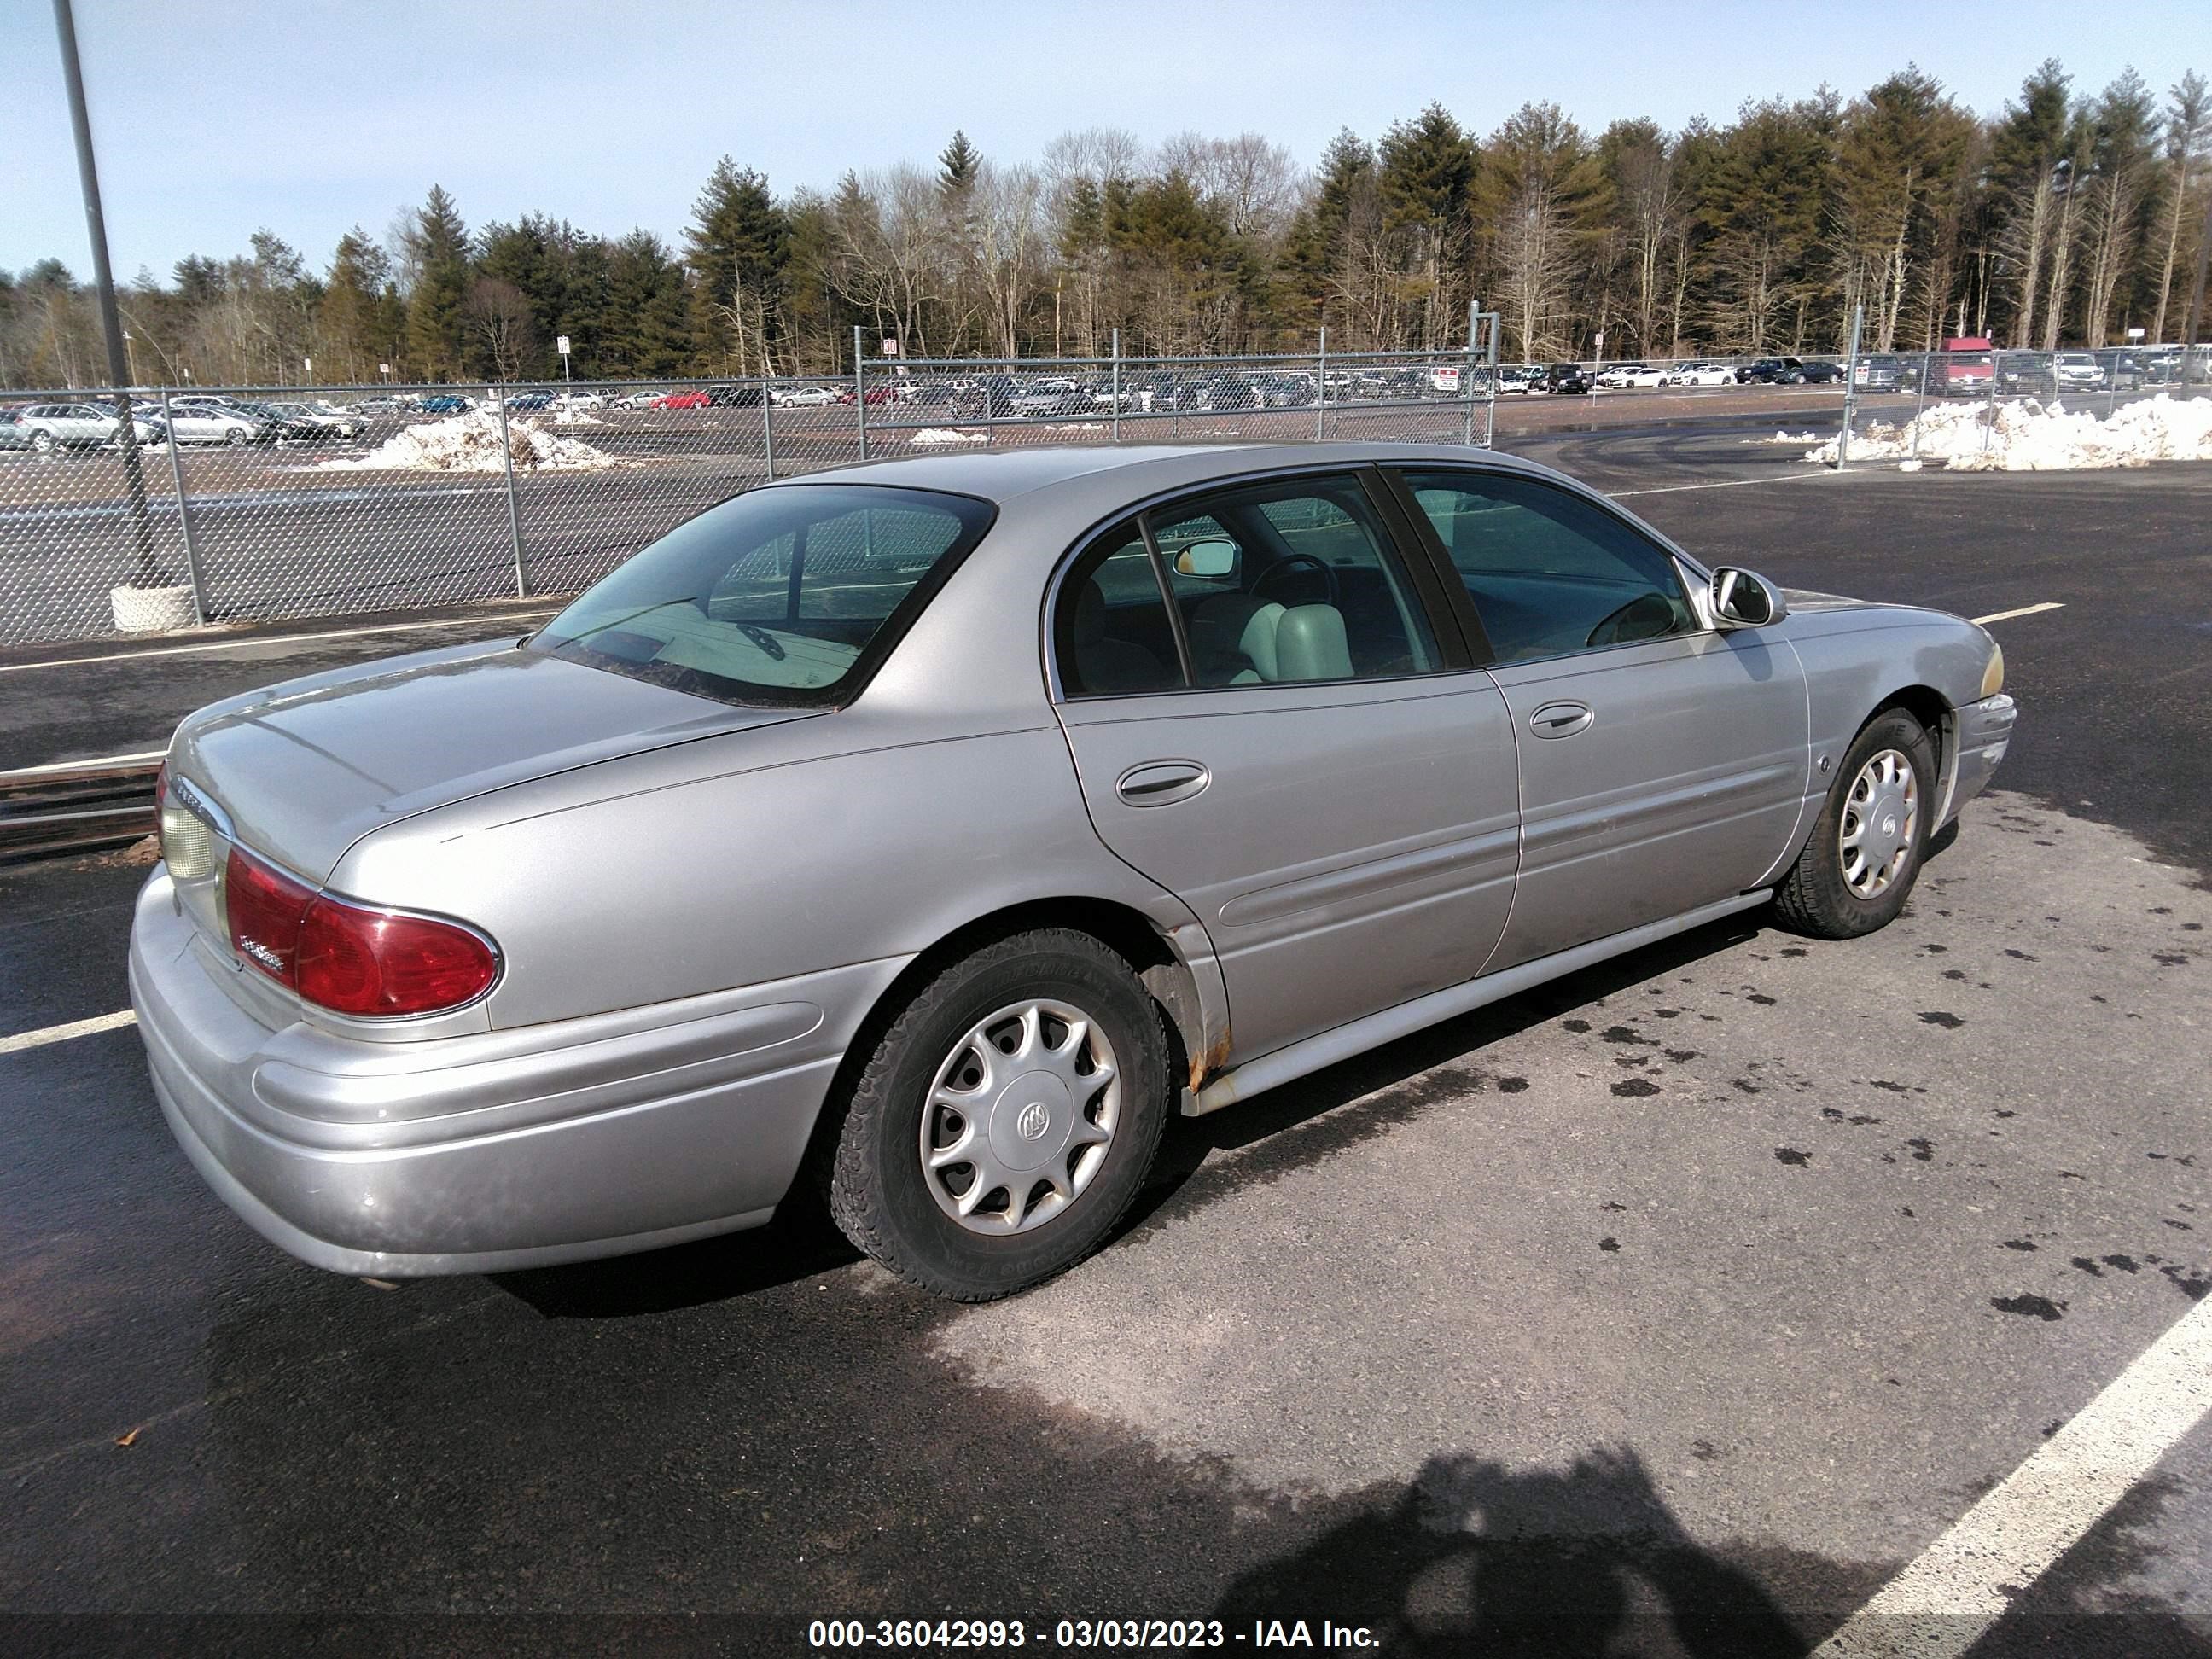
column 348, row 958
column 265, row 908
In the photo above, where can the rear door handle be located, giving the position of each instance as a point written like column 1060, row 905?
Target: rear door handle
column 1561, row 719
column 1162, row 782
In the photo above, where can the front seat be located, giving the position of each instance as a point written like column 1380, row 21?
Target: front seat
column 1275, row 643
column 1104, row 664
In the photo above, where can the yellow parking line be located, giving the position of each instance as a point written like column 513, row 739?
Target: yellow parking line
column 77, row 1028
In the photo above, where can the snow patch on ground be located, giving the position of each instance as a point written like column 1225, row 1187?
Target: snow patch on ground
column 946, row 434
column 1795, row 437
column 1076, row 426
column 575, row 417
column 2030, row 436
column 470, row 443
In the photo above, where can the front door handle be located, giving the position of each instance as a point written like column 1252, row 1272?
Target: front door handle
column 1162, row 782
column 1561, row 719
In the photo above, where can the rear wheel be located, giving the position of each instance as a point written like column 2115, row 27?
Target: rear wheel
column 1858, row 868
column 1007, row 1119
column 42, row 443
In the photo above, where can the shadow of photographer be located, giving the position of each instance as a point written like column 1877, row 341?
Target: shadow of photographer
column 1477, row 1558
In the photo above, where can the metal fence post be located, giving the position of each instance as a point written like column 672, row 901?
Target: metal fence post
column 1117, row 381
column 1850, row 387
column 768, row 427
column 1466, row 392
column 1489, row 393
column 1920, row 403
column 860, row 391
column 184, row 515
column 1321, row 388
column 513, row 514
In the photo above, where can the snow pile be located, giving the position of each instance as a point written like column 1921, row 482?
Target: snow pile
column 1076, row 426
column 946, row 434
column 470, row 443
column 2035, row 437
column 1795, row 437
column 575, row 417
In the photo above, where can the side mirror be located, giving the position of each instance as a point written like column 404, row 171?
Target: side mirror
column 1212, row 560
column 1741, row 599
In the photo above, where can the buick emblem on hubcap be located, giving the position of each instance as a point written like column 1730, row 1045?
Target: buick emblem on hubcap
column 1033, row 1122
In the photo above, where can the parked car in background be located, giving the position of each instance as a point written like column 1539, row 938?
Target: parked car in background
column 444, row 402
column 1762, row 371
column 2024, row 373
column 12, row 433
column 686, row 399
column 217, row 421
column 1887, row 372
column 1701, row 373
column 1965, row 368
column 734, row 397
column 1566, row 378
column 579, row 399
column 1620, row 376
column 382, row 405
column 418, row 995
column 528, row 403
column 808, row 397
column 1522, row 377
column 49, row 428
column 2078, row 370
column 1809, row 371
column 311, row 421
column 1286, row 391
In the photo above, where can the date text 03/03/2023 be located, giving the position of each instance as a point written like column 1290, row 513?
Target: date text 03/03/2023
column 988, row 1635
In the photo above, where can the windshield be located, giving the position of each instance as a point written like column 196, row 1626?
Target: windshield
column 786, row 595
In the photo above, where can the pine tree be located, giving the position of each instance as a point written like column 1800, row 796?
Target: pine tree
column 347, row 319
column 957, row 164
column 437, row 244
column 738, row 244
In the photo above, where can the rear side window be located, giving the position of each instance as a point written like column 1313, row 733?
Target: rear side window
column 1550, row 573
column 1113, row 635
column 785, row 596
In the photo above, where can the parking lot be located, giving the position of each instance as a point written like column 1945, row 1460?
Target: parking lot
column 1671, row 1309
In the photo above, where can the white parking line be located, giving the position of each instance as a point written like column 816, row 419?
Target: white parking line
column 77, row 1028
column 2025, row 610
column 236, row 641
column 1732, row 484
column 1966, row 1580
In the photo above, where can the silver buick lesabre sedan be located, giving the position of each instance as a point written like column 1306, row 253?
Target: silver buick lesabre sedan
column 931, row 831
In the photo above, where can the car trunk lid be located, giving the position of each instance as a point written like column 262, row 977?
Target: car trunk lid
column 302, row 770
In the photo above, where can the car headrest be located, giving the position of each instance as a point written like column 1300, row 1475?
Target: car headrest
column 1310, row 645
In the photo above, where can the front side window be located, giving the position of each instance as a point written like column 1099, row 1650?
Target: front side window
column 789, row 595
column 1549, row 572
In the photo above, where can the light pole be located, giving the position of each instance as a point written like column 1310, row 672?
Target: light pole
column 148, row 574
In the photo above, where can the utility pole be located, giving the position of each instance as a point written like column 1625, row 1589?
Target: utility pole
column 111, row 323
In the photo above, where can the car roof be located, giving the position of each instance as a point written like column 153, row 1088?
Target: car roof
column 1100, row 478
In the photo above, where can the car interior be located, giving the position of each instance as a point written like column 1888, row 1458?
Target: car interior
column 1274, row 586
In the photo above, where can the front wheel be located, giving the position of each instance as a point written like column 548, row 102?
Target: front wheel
column 1857, row 869
column 1006, row 1121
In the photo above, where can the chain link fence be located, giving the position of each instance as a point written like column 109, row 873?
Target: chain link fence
column 273, row 502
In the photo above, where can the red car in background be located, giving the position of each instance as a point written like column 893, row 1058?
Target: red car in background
column 1965, row 368
column 679, row 400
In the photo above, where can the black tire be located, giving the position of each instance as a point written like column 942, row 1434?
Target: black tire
column 879, row 1195
column 42, row 443
column 1815, row 897
column 236, row 439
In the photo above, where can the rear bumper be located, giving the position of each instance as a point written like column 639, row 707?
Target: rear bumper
column 495, row 1151
column 1984, row 734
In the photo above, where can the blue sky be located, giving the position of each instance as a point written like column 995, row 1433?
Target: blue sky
column 213, row 121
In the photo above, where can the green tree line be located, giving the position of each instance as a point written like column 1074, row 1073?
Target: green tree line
column 2069, row 217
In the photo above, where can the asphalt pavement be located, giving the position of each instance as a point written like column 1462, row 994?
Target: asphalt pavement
column 1670, row 1309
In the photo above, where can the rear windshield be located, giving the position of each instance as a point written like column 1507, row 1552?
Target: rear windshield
column 784, row 596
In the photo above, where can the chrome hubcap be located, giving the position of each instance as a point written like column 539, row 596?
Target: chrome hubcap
column 1019, row 1117
column 1880, row 816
